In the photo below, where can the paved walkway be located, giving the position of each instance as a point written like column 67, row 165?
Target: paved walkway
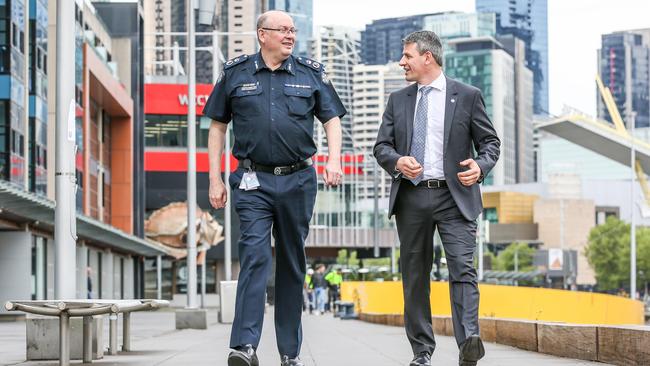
column 328, row 342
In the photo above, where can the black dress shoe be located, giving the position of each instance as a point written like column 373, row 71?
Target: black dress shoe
column 286, row 361
column 471, row 351
column 421, row 359
column 243, row 356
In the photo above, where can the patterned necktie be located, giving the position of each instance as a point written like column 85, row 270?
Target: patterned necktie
column 419, row 138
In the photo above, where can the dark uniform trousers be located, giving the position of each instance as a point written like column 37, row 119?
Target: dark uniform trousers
column 419, row 211
column 285, row 205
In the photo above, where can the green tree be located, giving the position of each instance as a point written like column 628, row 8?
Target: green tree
column 505, row 261
column 608, row 253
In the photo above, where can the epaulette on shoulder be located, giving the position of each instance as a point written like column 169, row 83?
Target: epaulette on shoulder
column 235, row 61
column 312, row 64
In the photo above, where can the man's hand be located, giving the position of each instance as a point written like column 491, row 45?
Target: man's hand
column 409, row 167
column 471, row 175
column 333, row 174
column 218, row 194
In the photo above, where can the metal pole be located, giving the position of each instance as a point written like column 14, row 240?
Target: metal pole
column 191, row 160
column 562, row 240
column 65, row 230
column 393, row 259
column 375, row 226
column 112, row 334
column 126, row 332
column 227, row 256
column 87, row 339
column 64, row 337
column 516, row 258
column 203, row 277
column 159, row 276
column 632, row 209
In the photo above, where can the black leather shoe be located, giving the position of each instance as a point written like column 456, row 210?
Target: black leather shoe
column 286, row 361
column 471, row 351
column 243, row 356
column 421, row 359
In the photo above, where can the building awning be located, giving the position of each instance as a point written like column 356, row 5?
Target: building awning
column 599, row 137
column 29, row 207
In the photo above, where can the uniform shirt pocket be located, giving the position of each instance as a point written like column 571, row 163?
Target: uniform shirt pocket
column 246, row 99
column 299, row 99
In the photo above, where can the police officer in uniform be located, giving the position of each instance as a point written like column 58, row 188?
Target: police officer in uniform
column 272, row 98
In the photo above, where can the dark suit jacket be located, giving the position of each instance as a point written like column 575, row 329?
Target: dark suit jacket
column 466, row 124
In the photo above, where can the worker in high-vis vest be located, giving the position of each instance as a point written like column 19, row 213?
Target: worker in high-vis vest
column 334, row 280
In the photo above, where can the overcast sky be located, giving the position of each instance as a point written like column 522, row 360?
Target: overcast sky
column 574, row 28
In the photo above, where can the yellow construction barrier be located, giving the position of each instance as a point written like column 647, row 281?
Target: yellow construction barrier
column 504, row 302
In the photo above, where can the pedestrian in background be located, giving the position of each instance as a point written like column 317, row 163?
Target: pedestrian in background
column 334, row 279
column 320, row 288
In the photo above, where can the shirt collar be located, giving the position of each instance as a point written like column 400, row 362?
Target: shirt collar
column 440, row 83
column 287, row 65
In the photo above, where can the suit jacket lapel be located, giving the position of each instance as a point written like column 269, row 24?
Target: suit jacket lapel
column 450, row 107
column 410, row 114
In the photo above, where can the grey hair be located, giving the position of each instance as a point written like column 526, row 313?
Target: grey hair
column 261, row 20
column 426, row 41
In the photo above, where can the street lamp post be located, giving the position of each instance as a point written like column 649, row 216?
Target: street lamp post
column 65, row 228
column 631, row 121
column 191, row 160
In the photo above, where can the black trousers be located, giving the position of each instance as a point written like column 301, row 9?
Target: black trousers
column 284, row 205
column 419, row 212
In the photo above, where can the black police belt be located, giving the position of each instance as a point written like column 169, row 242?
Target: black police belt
column 275, row 170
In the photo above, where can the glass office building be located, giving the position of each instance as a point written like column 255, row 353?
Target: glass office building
column 527, row 20
column 302, row 12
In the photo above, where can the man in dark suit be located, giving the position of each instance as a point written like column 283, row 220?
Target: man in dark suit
column 425, row 142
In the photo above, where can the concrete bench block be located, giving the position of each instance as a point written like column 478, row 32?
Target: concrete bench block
column 517, row 333
column 624, row 345
column 488, row 329
column 191, row 319
column 43, row 337
column 568, row 340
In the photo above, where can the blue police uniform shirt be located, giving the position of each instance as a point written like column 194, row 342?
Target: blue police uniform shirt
column 273, row 111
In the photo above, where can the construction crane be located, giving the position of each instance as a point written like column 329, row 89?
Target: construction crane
column 608, row 99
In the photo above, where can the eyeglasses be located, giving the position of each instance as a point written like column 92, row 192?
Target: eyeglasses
column 283, row 30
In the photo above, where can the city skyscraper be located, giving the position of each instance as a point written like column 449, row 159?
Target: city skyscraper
column 489, row 65
column 452, row 25
column 381, row 41
column 527, row 20
column 372, row 87
column 338, row 49
column 302, row 12
column 164, row 16
column 24, row 94
column 624, row 67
